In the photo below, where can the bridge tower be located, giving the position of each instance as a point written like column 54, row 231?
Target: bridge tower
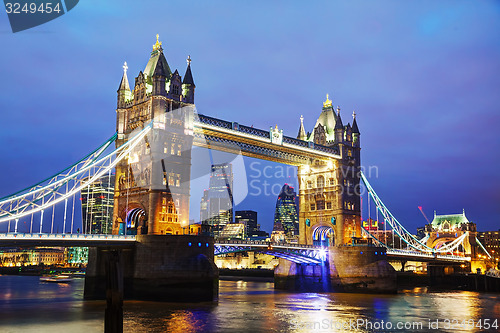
column 329, row 192
column 152, row 185
column 446, row 228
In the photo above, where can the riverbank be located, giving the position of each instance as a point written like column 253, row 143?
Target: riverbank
column 40, row 270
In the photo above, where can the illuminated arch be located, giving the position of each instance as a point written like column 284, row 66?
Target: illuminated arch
column 135, row 218
column 323, row 236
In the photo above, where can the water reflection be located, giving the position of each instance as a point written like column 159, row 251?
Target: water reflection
column 29, row 306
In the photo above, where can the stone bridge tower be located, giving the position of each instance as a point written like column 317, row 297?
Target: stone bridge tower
column 330, row 207
column 445, row 229
column 152, row 184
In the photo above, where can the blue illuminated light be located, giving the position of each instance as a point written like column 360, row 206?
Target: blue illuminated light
column 375, row 252
column 189, row 244
column 207, row 244
column 361, row 252
column 199, row 244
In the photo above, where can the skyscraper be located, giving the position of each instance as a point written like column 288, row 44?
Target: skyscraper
column 97, row 205
column 249, row 218
column 286, row 212
column 217, row 203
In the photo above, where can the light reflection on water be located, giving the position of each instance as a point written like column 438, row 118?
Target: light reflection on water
column 29, row 306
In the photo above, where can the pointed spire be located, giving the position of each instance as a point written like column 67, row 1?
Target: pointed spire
column 124, row 83
column 160, row 69
column 354, row 123
column 157, row 45
column 157, row 64
column 188, row 77
column 338, row 122
column 302, row 131
column 327, row 103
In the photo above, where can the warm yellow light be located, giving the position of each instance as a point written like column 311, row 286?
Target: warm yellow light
column 327, row 103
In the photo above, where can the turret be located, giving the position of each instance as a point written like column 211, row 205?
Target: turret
column 355, row 131
column 339, row 128
column 123, row 91
column 175, row 86
column 302, row 132
column 188, row 84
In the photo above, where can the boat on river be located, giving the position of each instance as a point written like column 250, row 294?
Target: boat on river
column 56, row 279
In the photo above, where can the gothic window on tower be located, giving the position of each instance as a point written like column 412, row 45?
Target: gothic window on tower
column 349, row 153
column 328, row 205
column 313, row 207
column 320, row 204
column 179, row 150
column 320, row 181
column 332, row 181
column 172, row 149
column 309, row 184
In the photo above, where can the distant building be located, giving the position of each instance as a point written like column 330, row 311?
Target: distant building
column 97, row 205
column 278, row 234
column 26, row 257
column 76, row 256
column 216, row 207
column 420, row 232
column 286, row 212
column 249, row 218
column 233, row 231
column 252, row 228
column 491, row 241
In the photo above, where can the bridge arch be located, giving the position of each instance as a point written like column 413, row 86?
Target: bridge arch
column 323, row 236
column 136, row 218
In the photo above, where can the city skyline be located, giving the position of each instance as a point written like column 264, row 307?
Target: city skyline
column 423, row 80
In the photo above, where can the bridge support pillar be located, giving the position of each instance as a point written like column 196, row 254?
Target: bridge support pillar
column 160, row 268
column 403, row 263
column 347, row 269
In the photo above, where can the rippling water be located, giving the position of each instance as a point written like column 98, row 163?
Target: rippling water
column 26, row 305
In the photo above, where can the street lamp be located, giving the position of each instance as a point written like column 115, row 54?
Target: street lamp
column 183, row 224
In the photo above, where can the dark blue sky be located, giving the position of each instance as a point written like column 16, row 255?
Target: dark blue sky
column 423, row 77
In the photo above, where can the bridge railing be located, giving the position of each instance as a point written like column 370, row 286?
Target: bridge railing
column 264, row 243
column 65, row 236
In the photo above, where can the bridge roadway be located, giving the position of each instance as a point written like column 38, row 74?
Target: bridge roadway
column 294, row 252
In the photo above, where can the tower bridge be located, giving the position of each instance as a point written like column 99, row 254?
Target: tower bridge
column 156, row 127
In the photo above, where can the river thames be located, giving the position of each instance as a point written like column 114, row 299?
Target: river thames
column 27, row 305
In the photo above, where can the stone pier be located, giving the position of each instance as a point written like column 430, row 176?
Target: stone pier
column 169, row 268
column 362, row 269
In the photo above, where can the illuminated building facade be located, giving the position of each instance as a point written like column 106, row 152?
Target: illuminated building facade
column 77, row 256
column 152, row 185
column 330, row 205
column 491, row 242
column 233, row 231
column 10, row 257
column 444, row 229
column 97, row 205
column 286, row 212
